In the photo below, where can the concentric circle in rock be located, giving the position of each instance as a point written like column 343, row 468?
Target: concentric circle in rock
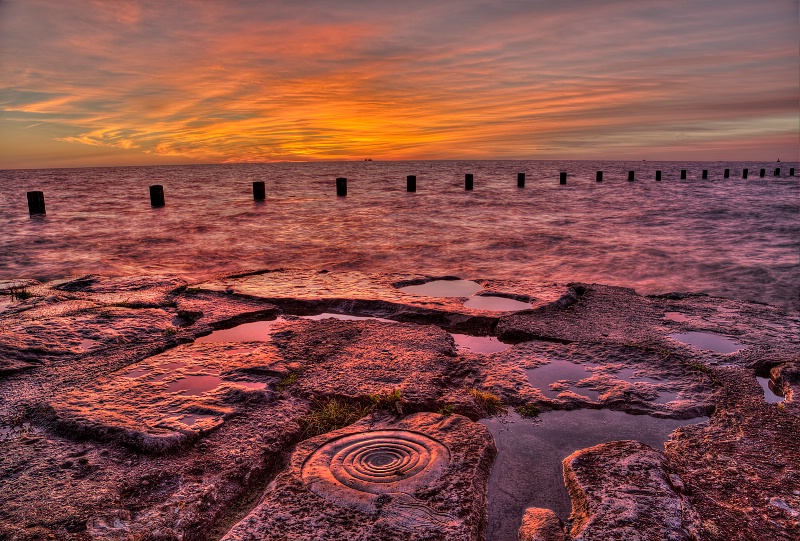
column 354, row 469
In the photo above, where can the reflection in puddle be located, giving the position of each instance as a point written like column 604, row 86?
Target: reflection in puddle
column 542, row 376
column 770, row 394
column 527, row 471
column 257, row 331
column 707, row 340
column 194, row 385
column 565, row 371
column 257, row 385
column 444, row 288
column 496, row 304
column 479, row 344
column 346, row 317
column 87, row 344
column 192, row 419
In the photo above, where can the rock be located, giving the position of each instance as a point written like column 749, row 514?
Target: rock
column 541, row 525
column 787, row 379
column 621, row 491
column 421, row 477
column 170, row 399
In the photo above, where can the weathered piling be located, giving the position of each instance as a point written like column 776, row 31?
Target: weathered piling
column 791, row 172
column 411, row 183
column 469, row 181
column 777, row 172
column 658, row 175
column 157, row 196
column 341, row 186
column 259, row 191
column 36, row 203
column 744, row 173
column 520, row 180
column 705, row 174
column 762, row 173
column 727, row 173
column 631, row 176
column 562, row 177
column 599, row 176
column 683, row 174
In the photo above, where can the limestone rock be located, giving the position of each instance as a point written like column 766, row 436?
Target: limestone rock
column 420, row 477
column 541, row 525
column 621, row 491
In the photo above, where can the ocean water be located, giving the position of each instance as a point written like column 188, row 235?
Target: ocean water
column 729, row 237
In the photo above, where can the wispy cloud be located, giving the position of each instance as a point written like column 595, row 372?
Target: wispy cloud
column 250, row 81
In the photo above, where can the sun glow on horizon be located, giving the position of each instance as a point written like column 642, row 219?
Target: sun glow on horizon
column 142, row 82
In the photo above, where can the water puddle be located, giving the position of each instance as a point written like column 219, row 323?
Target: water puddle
column 710, row 341
column 527, row 471
column 257, row 331
column 194, row 385
column 770, row 394
column 87, row 344
column 496, row 304
column 479, row 344
column 346, row 317
column 566, row 375
column 554, row 371
column 256, row 385
column 193, row 419
column 444, row 288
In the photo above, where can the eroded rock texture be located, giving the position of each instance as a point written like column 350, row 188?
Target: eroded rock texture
column 622, row 490
column 421, row 477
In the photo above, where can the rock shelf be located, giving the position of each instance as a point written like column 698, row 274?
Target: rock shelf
column 116, row 423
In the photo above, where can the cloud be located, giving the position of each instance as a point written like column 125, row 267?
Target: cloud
column 255, row 81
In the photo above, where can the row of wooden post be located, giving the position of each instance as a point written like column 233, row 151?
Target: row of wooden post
column 36, row 199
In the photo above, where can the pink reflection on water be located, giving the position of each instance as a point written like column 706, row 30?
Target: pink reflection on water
column 194, row 385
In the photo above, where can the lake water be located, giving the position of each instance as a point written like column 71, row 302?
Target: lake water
column 730, row 237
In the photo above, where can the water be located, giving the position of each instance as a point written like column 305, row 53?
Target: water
column 770, row 396
column 735, row 238
column 479, row 344
column 708, row 340
column 497, row 304
column 444, row 288
column 527, row 471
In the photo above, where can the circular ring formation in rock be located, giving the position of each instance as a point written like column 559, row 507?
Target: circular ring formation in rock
column 355, row 468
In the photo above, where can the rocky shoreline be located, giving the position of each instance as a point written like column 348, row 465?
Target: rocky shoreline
column 122, row 417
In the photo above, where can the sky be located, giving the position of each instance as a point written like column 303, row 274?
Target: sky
column 137, row 82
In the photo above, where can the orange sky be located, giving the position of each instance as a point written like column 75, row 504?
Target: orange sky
column 192, row 81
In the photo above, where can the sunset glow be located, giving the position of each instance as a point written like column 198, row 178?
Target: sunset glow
column 141, row 82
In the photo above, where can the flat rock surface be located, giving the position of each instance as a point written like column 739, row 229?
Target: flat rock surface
column 418, row 477
column 122, row 418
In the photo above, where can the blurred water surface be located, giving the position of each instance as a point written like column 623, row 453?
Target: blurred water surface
column 729, row 237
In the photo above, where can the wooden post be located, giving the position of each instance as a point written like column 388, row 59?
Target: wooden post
column 705, row 174
column 683, row 174
column 469, row 181
column 341, row 187
column 562, row 177
column 411, row 183
column 791, row 172
column 157, row 196
column 631, row 176
column 36, row 203
column 599, row 177
column 762, row 173
column 259, row 191
column 744, row 173
column 520, row 180
column 727, row 173
column 658, row 175
column 777, row 172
